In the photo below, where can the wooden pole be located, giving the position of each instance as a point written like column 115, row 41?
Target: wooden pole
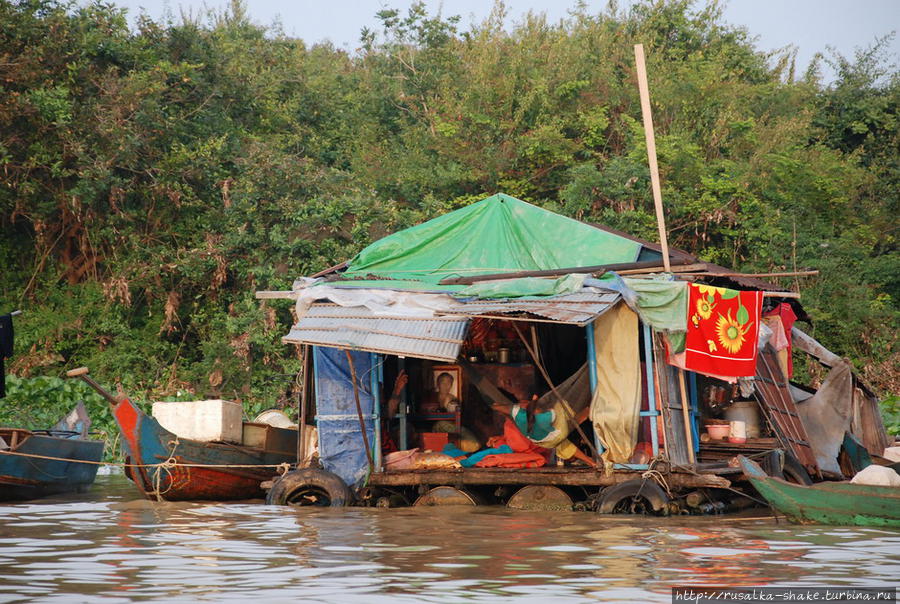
column 686, row 415
column 303, row 398
column 651, row 150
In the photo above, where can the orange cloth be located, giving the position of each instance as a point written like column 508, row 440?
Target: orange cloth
column 515, row 440
column 512, row 460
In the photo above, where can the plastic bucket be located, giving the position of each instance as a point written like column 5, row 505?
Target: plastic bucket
column 737, row 432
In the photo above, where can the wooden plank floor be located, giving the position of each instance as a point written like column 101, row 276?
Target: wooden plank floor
column 540, row 476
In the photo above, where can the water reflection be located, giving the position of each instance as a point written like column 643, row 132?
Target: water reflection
column 116, row 547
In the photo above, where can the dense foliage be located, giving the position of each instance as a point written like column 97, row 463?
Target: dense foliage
column 151, row 180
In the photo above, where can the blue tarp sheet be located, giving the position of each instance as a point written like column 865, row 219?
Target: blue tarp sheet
column 341, row 446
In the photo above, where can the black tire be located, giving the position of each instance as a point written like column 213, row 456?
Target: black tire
column 783, row 464
column 638, row 496
column 793, row 471
column 310, row 487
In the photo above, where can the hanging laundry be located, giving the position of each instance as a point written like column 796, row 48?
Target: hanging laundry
column 788, row 318
column 778, row 340
column 723, row 327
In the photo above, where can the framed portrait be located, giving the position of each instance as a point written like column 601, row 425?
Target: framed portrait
column 446, row 382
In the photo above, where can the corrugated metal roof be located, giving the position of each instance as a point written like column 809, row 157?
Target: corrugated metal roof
column 359, row 328
column 580, row 308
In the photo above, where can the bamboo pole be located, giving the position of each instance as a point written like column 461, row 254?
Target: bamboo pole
column 651, row 151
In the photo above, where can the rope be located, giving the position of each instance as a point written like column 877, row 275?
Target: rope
column 145, row 465
column 167, row 466
column 657, row 476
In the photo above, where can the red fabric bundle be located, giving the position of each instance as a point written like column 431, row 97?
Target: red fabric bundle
column 526, row 453
column 512, row 460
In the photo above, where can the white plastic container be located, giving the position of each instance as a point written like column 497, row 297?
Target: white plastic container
column 207, row 421
column 737, row 432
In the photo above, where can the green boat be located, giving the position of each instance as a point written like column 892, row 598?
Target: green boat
column 839, row 503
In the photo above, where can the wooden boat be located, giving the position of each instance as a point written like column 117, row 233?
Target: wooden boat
column 827, row 502
column 26, row 472
column 191, row 470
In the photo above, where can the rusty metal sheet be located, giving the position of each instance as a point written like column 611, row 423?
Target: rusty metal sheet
column 774, row 395
column 579, row 308
column 359, row 328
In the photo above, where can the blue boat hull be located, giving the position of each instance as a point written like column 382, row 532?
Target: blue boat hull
column 23, row 477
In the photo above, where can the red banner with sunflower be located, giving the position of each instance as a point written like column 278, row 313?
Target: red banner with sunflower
column 722, row 330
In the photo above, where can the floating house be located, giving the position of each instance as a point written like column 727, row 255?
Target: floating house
column 502, row 353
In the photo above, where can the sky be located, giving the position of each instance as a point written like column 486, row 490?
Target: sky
column 810, row 25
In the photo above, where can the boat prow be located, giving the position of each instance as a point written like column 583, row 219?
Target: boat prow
column 839, row 503
column 171, row 468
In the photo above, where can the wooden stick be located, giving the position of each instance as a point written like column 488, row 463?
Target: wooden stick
column 785, row 274
column 555, row 272
column 657, row 268
column 559, row 397
column 276, row 295
column 359, row 413
column 331, row 269
column 301, row 432
column 651, row 150
column 792, row 295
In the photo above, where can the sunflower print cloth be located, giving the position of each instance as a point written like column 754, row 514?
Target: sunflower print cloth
column 722, row 330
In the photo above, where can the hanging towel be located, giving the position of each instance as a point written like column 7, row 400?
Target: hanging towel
column 661, row 304
column 6, row 348
column 615, row 406
column 723, row 326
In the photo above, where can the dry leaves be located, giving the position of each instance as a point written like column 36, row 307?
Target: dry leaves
column 117, row 290
column 171, row 312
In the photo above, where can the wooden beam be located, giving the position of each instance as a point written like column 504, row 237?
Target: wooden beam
column 756, row 275
column 810, row 345
column 658, row 268
column 651, row 150
column 275, row 295
column 555, row 272
column 331, row 269
column 541, row 476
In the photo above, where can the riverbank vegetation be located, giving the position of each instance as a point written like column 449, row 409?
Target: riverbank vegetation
column 152, row 178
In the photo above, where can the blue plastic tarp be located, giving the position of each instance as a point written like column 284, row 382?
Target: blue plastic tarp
column 341, row 445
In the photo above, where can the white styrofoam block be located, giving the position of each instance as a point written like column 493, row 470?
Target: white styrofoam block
column 207, row 421
column 880, row 476
column 892, row 454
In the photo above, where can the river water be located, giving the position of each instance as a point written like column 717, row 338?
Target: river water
column 111, row 546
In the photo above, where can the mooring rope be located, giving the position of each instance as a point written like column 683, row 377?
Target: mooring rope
column 145, row 465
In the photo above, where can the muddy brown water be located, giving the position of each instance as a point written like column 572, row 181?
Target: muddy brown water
column 111, row 546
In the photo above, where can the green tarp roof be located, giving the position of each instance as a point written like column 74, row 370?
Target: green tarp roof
column 495, row 235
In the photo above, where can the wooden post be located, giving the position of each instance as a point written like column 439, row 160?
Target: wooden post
column 651, row 151
column 686, row 415
column 303, row 398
